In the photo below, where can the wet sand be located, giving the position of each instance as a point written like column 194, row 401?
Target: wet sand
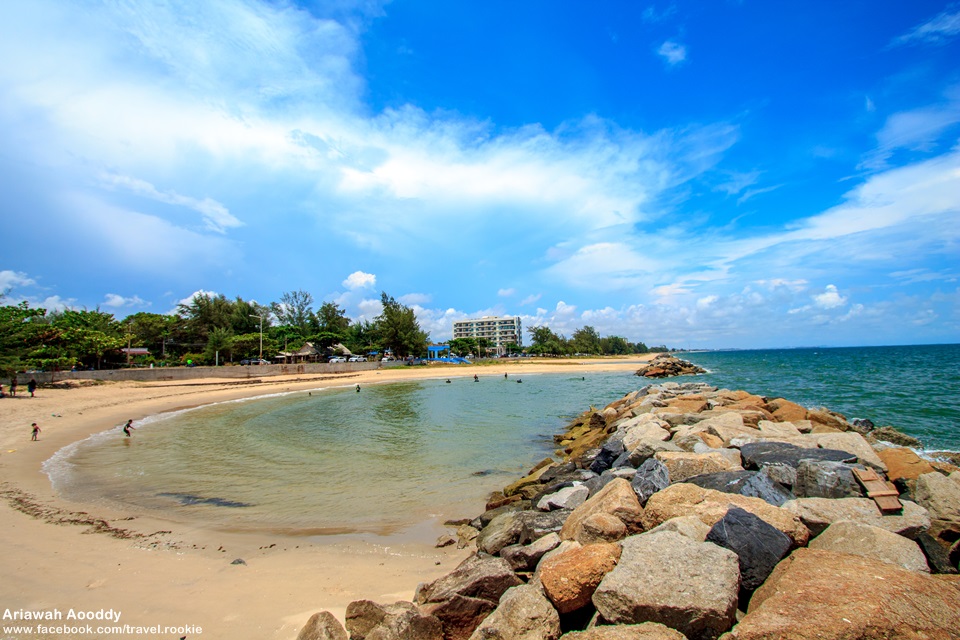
column 59, row 555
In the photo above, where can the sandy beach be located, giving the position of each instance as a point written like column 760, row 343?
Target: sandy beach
column 60, row 555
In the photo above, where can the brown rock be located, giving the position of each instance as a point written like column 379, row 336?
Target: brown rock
column 523, row 614
column 786, row 411
column 819, row 513
column 367, row 620
column 616, row 498
column 323, row 626
column 709, row 505
column 890, row 434
column 460, row 615
column 778, row 429
column 825, row 595
column 866, row 540
column 601, row 527
column 940, row 495
column 712, row 441
column 645, row 631
column 569, row 579
column 476, row 577
column 531, row 479
column 903, row 464
column 852, row 442
column 687, row 465
column 828, row 419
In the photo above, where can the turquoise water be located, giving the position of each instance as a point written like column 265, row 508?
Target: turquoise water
column 392, row 457
column 915, row 389
column 337, row 461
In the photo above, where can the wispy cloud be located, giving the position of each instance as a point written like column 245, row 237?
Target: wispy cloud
column 937, row 30
column 117, row 301
column 11, row 279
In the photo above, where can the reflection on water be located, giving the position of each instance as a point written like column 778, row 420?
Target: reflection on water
column 377, row 461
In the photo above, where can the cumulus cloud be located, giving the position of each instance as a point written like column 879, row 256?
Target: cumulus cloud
column 117, row 301
column 360, row 280
column 672, row 52
column 11, row 279
column 830, row 298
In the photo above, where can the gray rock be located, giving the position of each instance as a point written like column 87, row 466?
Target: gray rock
column 940, row 496
column 536, row 524
column 725, row 481
column 869, row 541
column 826, row 479
column 554, row 473
column 487, row 516
column 667, row 578
column 597, row 483
column 524, row 557
column 460, row 615
column 689, row 526
column 652, row 476
column 854, row 443
column 566, row 498
column 502, row 531
column 647, row 448
column 523, row 613
column 760, row 454
column 758, row 545
column 323, row 626
column 819, row 513
column 766, row 488
column 938, row 557
column 889, row 434
column 609, row 452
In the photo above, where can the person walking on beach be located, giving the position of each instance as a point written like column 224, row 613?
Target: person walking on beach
column 32, row 386
column 13, row 386
column 127, row 427
column 36, row 431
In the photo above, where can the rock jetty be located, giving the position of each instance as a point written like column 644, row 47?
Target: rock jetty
column 667, row 366
column 686, row 511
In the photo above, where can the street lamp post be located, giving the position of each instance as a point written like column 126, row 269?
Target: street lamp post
column 261, row 333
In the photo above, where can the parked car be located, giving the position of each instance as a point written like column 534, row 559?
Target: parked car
column 357, row 359
column 388, row 359
column 336, row 359
column 247, row 361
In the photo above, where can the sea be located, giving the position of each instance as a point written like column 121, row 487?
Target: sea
column 398, row 459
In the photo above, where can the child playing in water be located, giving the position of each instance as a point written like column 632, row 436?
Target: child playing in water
column 127, row 427
column 36, row 431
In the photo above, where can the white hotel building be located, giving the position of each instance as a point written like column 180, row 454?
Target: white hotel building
column 499, row 330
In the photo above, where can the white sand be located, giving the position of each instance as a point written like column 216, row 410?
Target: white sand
column 185, row 577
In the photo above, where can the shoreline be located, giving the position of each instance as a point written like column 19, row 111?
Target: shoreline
column 191, row 580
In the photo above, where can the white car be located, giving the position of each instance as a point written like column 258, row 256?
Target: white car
column 357, row 359
column 336, row 359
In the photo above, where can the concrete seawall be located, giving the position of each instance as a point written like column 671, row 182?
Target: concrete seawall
column 160, row 374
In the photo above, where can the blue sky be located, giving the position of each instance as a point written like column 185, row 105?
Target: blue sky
column 699, row 174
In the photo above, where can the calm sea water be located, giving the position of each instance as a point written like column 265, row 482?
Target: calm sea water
column 915, row 389
column 336, row 461
column 392, row 457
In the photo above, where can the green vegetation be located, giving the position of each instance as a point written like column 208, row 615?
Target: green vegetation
column 214, row 329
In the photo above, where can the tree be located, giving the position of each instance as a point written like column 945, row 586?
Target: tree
column 586, row 340
column 615, row 346
column 333, row 325
column 399, row 329
column 545, row 341
column 219, row 342
column 295, row 309
column 462, row 346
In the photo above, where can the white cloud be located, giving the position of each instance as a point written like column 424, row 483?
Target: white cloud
column 830, row 298
column 672, row 52
column 12, row 279
column 360, row 280
column 117, row 301
column 410, row 299
column 196, row 294
column 706, row 301
column 530, row 299
column 937, row 30
column 506, row 293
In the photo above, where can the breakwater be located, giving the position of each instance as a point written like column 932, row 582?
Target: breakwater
column 687, row 511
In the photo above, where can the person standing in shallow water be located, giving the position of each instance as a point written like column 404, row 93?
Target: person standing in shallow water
column 127, row 427
column 36, row 431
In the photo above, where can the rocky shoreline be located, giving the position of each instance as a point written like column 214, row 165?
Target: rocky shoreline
column 686, row 511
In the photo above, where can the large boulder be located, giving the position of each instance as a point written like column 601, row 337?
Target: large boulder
column 940, row 496
column 645, row 631
column 687, row 465
column 708, row 505
column 689, row 526
column 522, row 614
column 646, row 448
column 601, row 527
column 786, row 411
column 904, row 464
column 759, row 546
column 890, row 434
column 616, row 498
column 368, row 620
column 566, row 498
column 323, row 626
column 478, row 575
column 668, row 578
column 570, row 578
column 826, row 479
column 824, row 595
column 869, row 541
column 770, row 429
column 767, row 489
column 725, row 481
column 760, row 454
column 854, row 443
column 819, row 513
